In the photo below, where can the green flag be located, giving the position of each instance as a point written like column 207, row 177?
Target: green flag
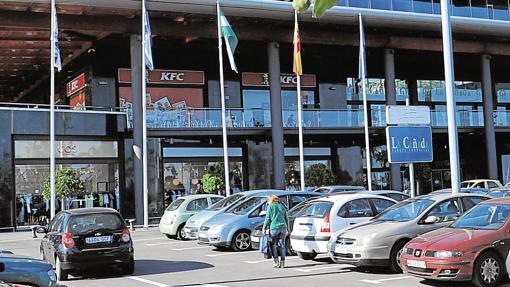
column 230, row 39
column 319, row 6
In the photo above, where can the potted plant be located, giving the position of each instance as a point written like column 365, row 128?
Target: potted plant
column 67, row 183
column 212, row 180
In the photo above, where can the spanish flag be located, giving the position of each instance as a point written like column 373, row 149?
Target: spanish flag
column 297, row 67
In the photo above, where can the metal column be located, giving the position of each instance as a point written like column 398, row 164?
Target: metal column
column 391, row 99
column 488, row 117
column 273, row 51
column 136, row 90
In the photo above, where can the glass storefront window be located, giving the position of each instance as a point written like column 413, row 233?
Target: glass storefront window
column 26, row 149
column 375, row 89
column 503, row 92
column 101, row 183
column 431, row 91
column 402, row 90
column 257, row 107
column 292, row 171
column 466, row 91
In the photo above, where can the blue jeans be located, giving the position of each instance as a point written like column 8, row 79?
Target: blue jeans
column 278, row 238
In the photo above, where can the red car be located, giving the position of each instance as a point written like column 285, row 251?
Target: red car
column 475, row 247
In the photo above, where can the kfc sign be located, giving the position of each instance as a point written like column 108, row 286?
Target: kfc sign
column 286, row 80
column 75, row 85
column 167, row 77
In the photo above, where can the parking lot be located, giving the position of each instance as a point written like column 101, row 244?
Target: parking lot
column 163, row 262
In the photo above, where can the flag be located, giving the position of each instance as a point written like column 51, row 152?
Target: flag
column 230, row 39
column 147, row 39
column 297, row 66
column 362, row 65
column 57, row 62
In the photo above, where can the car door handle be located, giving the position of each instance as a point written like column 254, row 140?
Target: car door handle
column 352, row 223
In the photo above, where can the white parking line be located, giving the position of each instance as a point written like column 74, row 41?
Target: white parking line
column 317, row 268
column 148, row 239
column 267, row 260
column 191, row 248
column 230, row 253
column 147, row 281
column 166, row 243
column 380, row 281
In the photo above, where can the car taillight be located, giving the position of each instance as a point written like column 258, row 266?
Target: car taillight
column 67, row 240
column 126, row 237
column 325, row 227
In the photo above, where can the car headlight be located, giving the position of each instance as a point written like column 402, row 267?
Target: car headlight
column 52, row 275
column 447, row 254
column 406, row 250
column 216, row 228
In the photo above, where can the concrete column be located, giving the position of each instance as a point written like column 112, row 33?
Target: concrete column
column 273, row 51
column 391, row 99
column 488, row 117
column 136, row 90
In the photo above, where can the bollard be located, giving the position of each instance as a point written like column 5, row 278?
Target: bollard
column 131, row 224
column 34, row 234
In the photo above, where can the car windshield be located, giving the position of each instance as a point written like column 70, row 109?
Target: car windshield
column 405, row 211
column 174, row 205
column 484, row 216
column 315, row 209
column 97, row 221
column 225, row 202
column 246, row 206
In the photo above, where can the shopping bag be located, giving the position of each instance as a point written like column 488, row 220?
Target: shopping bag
column 264, row 246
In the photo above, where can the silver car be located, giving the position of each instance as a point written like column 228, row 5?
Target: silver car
column 233, row 227
column 379, row 242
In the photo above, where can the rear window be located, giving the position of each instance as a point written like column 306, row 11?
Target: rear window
column 225, row 202
column 175, row 204
column 97, row 221
column 316, row 209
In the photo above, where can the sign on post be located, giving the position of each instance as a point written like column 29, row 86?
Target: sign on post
column 409, row 144
column 407, row 115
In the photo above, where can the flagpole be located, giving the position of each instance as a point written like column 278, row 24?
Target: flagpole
column 52, row 111
column 223, row 109
column 365, row 105
column 144, row 127
column 300, row 122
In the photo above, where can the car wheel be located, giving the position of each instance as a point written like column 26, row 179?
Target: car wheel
column 290, row 250
column 241, row 241
column 181, row 234
column 129, row 268
column 61, row 273
column 488, row 270
column 307, row 256
column 395, row 254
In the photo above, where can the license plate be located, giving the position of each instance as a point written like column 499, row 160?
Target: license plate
column 98, row 239
column 203, row 235
column 255, row 239
column 417, row 264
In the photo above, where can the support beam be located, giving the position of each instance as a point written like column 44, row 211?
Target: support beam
column 391, row 99
column 136, row 90
column 273, row 50
column 488, row 117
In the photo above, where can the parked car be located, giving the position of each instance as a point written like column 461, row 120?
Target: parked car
column 194, row 222
column 475, row 247
column 79, row 239
column 178, row 212
column 292, row 214
column 321, row 217
column 379, row 242
column 233, row 227
column 472, row 190
column 338, row 188
column 393, row 194
column 497, row 193
column 24, row 270
column 481, row 183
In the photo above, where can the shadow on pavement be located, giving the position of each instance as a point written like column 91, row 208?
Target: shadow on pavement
column 375, row 270
column 145, row 267
column 426, row 282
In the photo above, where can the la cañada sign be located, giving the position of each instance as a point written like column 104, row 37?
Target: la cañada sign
column 409, row 144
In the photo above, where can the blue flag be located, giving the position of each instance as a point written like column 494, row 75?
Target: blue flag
column 57, row 62
column 147, row 39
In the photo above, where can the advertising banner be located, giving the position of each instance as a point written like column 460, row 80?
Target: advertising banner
column 409, row 144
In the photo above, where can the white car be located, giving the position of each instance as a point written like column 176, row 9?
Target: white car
column 322, row 217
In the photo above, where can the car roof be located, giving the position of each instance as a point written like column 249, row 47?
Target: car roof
column 349, row 196
column 342, row 187
column 500, row 200
column 197, row 196
column 94, row 210
column 462, row 190
column 260, row 191
column 446, row 195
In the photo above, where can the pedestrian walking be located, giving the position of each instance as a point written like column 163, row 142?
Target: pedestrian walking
column 277, row 222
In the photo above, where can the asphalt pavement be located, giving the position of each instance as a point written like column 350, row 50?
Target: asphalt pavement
column 163, row 262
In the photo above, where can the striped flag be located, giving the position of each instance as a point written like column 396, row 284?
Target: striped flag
column 147, row 38
column 230, row 39
column 57, row 62
column 297, row 66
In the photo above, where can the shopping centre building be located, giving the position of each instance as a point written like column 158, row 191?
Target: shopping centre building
column 99, row 96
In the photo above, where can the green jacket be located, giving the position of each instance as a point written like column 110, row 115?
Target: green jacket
column 276, row 217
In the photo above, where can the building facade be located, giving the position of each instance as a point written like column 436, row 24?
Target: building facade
column 99, row 90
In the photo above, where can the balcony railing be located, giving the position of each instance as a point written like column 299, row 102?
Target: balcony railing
column 210, row 118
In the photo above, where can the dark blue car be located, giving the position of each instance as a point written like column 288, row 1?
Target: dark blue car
column 25, row 270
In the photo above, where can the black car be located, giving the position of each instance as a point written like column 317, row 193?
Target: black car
column 79, row 239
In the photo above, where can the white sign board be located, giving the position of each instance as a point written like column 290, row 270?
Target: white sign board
column 407, row 115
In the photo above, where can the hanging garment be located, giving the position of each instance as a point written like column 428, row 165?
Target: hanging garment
column 101, row 200
column 28, row 202
column 106, row 200
column 21, row 212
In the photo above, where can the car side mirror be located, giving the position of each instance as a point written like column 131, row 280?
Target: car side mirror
column 42, row 229
column 431, row 219
column 262, row 213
